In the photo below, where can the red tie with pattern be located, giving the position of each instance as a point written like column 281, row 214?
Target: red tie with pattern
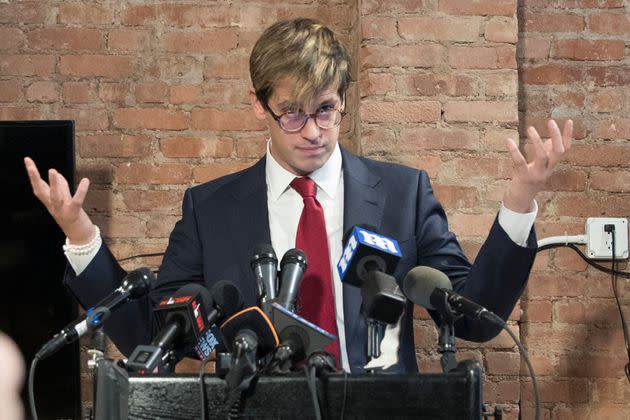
column 315, row 300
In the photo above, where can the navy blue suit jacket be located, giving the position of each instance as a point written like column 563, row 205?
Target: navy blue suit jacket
column 224, row 219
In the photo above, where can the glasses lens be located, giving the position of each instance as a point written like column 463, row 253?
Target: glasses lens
column 293, row 121
column 328, row 118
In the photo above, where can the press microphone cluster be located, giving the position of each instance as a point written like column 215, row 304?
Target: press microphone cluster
column 135, row 284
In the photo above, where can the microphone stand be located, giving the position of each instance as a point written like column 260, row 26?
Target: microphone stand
column 446, row 338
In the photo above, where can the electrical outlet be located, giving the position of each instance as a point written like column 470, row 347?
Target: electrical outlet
column 599, row 241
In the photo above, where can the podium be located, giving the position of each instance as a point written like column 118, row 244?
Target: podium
column 455, row 395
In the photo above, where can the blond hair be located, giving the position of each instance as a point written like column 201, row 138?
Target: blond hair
column 303, row 51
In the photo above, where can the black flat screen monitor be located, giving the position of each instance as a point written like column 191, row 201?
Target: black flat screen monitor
column 35, row 304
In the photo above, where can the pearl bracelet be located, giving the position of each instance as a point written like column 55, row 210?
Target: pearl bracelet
column 84, row 249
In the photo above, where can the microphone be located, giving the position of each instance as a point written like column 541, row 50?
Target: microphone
column 293, row 267
column 135, row 284
column 264, row 264
column 432, row 289
column 299, row 338
column 182, row 319
column 227, row 300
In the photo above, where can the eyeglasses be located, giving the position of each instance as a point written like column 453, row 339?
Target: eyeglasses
column 294, row 121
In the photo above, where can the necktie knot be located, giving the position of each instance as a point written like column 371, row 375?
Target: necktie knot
column 304, row 186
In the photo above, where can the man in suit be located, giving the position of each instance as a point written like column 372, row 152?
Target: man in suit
column 300, row 73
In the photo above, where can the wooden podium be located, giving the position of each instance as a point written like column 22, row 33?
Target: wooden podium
column 455, row 395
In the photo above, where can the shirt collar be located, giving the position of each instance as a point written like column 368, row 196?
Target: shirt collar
column 326, row 177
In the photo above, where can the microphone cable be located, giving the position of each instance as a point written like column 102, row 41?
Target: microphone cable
column 202, row 387
column 311, row 381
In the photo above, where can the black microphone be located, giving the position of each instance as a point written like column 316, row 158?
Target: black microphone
column 135, row 284
column 182, row 319
column 431, row 289
column 293, row 267
column 226, row 301
column 264, row 264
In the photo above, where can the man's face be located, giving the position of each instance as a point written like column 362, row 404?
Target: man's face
column 308, row 149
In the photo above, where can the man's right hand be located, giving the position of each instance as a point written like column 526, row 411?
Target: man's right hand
column 67, row 210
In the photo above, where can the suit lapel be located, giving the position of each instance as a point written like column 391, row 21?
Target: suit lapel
column 363, row 205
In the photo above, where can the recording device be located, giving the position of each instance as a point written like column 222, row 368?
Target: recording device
column 264, row 264
column 299, row 338
column 293, row 267
column 135, row 284
column 182, row 319
column 430, row 288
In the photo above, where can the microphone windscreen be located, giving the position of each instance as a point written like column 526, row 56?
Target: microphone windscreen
column 138, row 282
column 263, row 251
column 254, row 319
column 420, row 283
column 294, row 255
column 227, row 297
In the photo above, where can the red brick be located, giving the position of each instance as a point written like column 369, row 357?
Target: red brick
column 471, row 224
column 46, row 92
column 152, row 200
column 150, row 118
column 152, row 92
column 578, row 4
column 478, row 7
column 431, row 84
column 502, row 30
column 502, row 392
column 78, row 92
column 379, row 27
column 617, row 128
column 480, row 111
column 180, row 94
column 552, row 22
column 425, row 334
column 20, row 113
column 177, row 147
column 204, row 173
column 86, row 13
column 582, row 49
column 609, row 75
column 467, row 57
column 618, row 181
column 161, row 227
column 86, row 118
column 609, row 23
column 64, row 39
column 372, row 56
column 574, row 99
column 181, row 15
column 567, row 391
column 565, row 180
column 10, row 90
column 175, row 68
column 371, row 7
column 251, row 147
column 429, row 163
column 128, row 40
column 413, row 139
column 592, row 206
column 27, row 65
column 121, row 226
column 502, row 363
column 550, row 74
column 11, row 38
column 609, row 100
column 537, row 310
column 568, row 260
column 400, row 112
column 533, row 48
column 611, row 390
column 601, row 312
column 504, row 84
column 376, row 83
column 141, row 173
column 456, row 197
column 377, row 140
column 113, row 92
column 201, row 42
column 230, row 65
column 114, row 145
column 433, row 28
column 540, row 124
column 24, row 12
column 225, row 120
column 483, row 167
column 96, row 65
column 224, row 93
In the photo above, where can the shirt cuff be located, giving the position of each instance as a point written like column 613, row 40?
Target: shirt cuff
column 79, row 259
column 518, row 225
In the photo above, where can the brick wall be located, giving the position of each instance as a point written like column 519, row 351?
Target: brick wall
column 159, row 94
column 573, row 61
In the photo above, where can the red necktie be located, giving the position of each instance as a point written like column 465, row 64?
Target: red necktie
column 315, row 300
